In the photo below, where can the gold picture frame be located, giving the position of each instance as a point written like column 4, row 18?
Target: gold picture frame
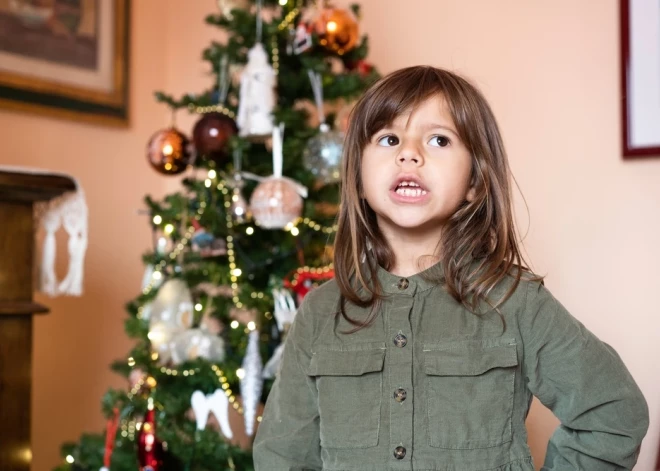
column 66, row 59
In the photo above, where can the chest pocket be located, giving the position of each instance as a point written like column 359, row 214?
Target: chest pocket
column 470, row 387
column 349, row 384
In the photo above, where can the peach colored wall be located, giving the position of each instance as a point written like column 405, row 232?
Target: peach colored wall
column 550, row 71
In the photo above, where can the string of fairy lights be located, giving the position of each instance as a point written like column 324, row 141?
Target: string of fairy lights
column 129, row 427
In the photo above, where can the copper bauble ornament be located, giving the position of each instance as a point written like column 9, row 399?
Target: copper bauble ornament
column 169, row 151
column 211, row 135
column 337, row 29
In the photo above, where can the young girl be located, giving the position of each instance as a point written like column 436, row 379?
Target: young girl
column 425, row 350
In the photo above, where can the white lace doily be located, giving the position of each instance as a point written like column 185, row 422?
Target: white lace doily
column 69, row 211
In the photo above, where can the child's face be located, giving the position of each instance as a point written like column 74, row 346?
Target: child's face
column 416, row 172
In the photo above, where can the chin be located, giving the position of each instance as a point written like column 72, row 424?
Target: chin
column 412, row 223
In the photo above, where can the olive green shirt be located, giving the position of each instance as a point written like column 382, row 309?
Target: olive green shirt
column 432, row 386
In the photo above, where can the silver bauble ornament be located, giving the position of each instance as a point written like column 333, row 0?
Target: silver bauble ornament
column 322, row 156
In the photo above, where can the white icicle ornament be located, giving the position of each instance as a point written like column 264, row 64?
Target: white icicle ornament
column 257, row 95
column 252, row 382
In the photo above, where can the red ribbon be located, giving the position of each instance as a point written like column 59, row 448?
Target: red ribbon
column 110, row 433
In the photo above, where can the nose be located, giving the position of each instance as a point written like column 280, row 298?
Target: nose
column 409, row 154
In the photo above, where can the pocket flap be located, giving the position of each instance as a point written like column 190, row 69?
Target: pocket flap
column 469, row 359
column 346, row 363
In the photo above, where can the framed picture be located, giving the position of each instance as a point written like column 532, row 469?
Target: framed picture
column 640, row 77
column 66, row 58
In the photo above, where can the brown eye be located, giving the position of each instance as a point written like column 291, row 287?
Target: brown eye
column 388, row 141
column 439, row 141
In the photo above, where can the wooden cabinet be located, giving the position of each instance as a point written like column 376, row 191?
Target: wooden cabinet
column 18, row 193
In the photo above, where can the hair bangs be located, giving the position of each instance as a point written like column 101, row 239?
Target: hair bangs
column 392, row 96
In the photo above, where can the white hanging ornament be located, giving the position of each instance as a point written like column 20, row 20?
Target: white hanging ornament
column 252, row 381
column 218, row 403
column 285, row 312
column 257, row 94
column 322, row 155
column 277, row 200
column 284, row 309
column 170, row 313
column 196, row 343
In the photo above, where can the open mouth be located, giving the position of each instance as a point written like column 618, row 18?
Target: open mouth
column 410, row 188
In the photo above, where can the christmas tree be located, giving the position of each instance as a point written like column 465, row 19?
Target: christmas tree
column 236, row 249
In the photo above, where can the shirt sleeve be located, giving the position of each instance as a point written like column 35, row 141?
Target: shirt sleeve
column 288, row 437
column 603, row 413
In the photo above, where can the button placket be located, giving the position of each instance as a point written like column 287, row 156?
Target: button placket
column 400, row 377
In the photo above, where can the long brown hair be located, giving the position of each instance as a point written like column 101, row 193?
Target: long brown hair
column 480, row 231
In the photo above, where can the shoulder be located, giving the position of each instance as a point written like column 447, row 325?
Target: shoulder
column 324, row 298
column 536, row 310
column 519, row 292
column 319, row 305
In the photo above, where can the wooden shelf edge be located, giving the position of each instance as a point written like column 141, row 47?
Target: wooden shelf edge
column 13, row 308
column 29, row 187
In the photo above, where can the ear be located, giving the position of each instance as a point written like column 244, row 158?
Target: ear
column 471, row 194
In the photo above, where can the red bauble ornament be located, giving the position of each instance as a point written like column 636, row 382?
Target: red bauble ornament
column 169, row 151
column 305, row 279
column 362, row 67
column 150, row 449
column 211, row 135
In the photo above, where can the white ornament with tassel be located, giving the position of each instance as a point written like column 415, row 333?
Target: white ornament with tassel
column 277, row 200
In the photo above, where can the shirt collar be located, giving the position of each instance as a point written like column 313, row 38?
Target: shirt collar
column 409, row 285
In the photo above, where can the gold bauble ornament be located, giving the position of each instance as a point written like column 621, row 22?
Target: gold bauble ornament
column 337, row 29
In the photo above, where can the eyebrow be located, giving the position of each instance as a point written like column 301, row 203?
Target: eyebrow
column 430, row 126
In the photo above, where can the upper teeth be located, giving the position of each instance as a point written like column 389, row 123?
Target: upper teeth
column 408, row 188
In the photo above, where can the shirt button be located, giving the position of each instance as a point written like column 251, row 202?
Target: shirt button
column 400, row 395
column 400, row 340
column 399, row 453
column 403, row 283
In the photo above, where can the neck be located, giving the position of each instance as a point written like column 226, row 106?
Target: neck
column 413, row 252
